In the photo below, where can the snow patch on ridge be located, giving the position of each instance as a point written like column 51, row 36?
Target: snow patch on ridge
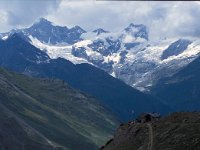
column 5, row 37
column 56, row 51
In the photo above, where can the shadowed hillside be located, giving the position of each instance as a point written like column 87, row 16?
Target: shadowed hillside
column 182, row 90
column 47, row 113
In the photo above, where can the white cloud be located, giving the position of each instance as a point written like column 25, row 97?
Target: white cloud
column 20, row 13
column 162, row 18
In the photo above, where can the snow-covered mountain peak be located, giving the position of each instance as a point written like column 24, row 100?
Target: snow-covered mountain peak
column 46, row 32
column 42, row 21
column 126, row 54
column 137, row 31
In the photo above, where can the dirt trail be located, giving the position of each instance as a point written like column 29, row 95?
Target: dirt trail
column 150, row 144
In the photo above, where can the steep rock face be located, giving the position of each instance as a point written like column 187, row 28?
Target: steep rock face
column 48, row 114
column 46, row 32
column 176, row 131
column 175, row 48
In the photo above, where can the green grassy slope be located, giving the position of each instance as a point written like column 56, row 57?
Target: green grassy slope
column 65, row 116
column 16, row 135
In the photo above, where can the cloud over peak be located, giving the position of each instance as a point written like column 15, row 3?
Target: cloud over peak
column 164, row 19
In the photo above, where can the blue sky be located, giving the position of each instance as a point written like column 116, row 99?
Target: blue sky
column 162, row 18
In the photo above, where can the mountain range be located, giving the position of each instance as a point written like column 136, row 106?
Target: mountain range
column 128, row 54
column 125, row 102
column 75, row 86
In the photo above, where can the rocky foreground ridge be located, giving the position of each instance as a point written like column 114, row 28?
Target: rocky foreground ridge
column 177, row 131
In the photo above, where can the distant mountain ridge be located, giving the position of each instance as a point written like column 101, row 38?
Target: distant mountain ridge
column 47, row 32
column 129, row 54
